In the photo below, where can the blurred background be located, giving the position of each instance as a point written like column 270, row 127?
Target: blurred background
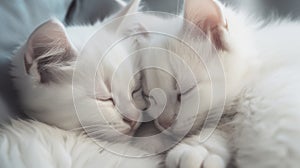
column 260, row 8
column 20, row 17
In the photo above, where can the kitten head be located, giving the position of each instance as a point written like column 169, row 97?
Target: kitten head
column 208, row 67
column 62, row 75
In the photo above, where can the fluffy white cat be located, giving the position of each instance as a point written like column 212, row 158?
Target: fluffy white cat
column 62, row 74
column 32, row 144
column 259, row 73
column 258, row 82
column 62, row 82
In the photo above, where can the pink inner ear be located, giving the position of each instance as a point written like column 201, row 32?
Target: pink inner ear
column 49, row 35
column 206, row 14
column 49, row 49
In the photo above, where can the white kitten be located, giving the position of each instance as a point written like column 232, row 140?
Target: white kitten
column 61, row 78
column 258, row 83
column 62, row 82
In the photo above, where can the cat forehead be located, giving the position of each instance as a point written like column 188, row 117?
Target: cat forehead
column 191, row 51
column 188, row 61
column 97, row 45
column 80, row 36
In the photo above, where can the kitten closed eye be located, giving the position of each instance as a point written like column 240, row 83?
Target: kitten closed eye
column 106, row 100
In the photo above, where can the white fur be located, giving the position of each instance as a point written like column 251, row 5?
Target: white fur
column 71, row 102
column 266, row 132
column 259, row 126
column 262, row 97
column 31, row 144
column 82, row 85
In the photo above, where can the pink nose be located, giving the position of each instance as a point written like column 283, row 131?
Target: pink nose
column 164, row 124
column 165, row 120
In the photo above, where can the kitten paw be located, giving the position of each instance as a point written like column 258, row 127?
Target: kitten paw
column 198, row 156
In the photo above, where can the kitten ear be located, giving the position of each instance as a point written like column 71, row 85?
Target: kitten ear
column 125, row 23
column 48, row 52
column 209, row 17
column 130, row 8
